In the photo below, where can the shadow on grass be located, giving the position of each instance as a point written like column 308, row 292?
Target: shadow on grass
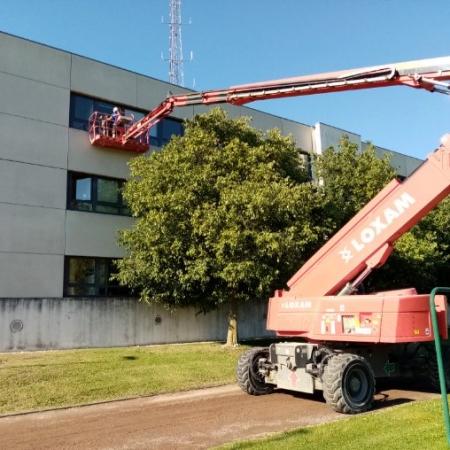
column 383, row 401
column 280, row 439
column 98, row 362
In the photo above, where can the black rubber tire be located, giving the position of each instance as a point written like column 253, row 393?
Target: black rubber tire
column 348, row 383
column 432, row 368
column 248, row 377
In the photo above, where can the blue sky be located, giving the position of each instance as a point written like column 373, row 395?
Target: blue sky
column 241, row 41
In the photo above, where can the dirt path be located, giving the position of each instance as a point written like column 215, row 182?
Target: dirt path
column 191, row 420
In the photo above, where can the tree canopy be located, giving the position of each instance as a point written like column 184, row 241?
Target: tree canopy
column 226, row 214
column 349, row 178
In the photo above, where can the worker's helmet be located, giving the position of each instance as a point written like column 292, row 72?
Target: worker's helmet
column 115, row 109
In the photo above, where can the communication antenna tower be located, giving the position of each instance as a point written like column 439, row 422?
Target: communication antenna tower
column 176, row 72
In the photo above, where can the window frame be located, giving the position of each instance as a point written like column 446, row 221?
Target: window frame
column 98, row 104
column 97, row 286
column 72, row 111
column 161, row 125
column 307, row 160
column 121, row 206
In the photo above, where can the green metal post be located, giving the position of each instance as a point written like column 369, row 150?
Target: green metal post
column 437, row 343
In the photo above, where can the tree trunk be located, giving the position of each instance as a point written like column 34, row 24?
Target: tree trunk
column 232, row 336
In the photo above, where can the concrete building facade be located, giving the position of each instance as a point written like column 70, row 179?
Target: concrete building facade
column 60, row 204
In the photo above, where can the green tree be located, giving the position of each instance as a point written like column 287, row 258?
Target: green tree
column 224, row 215
column 349, row 178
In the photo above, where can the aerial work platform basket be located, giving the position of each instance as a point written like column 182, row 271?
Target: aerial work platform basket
column 108, row 131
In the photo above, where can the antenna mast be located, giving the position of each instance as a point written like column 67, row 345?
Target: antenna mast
column 176, row 73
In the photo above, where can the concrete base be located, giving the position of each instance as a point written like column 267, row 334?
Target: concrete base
column 58, row 323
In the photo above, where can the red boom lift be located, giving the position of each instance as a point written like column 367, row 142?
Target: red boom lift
column 343, row 341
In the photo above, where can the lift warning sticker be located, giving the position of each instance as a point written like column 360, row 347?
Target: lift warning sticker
column 353, row 325
column 328, row 325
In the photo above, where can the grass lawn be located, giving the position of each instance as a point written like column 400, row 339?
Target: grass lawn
column 40, row 380
column 409, row 426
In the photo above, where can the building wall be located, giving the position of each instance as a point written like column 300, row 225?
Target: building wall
column 404, row 165
column 37, row 231
column 325, row 136
column 35, row 85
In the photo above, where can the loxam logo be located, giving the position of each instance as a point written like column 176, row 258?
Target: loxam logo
column 376, row 226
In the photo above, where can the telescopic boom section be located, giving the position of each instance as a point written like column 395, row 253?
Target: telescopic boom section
column 366, row 241
column 426, row 74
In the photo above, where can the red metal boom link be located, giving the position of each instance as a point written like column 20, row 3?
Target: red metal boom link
column 142, row 126
column 422, row 74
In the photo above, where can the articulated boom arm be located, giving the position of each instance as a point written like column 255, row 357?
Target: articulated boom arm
column 423, row 74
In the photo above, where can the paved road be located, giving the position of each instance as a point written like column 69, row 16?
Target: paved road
column 191, row 420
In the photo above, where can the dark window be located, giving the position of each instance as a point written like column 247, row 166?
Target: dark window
column 98, row 194
column 168, row 128
column 80, row 110
column 306, row 160
column 161, row 133
column 86, row 276
column 81, row 107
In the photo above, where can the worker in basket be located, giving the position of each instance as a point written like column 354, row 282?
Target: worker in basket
column 120, row 121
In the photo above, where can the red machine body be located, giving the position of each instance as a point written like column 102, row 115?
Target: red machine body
column 317, row 305
column 388, row 318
